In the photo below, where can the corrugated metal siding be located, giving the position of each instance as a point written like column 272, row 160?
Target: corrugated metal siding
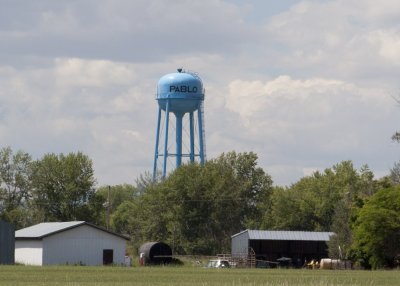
column 83, row 244
column 29, row 252
column 289, row 235
column 240, row 244
column 42, row 229
column 271, row 245
column 7, row 243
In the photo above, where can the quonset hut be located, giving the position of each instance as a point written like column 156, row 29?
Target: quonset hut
column 155, row 253
column 7, row 243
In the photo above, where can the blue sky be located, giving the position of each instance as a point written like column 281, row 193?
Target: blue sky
column 260, row 11
column 304, row 84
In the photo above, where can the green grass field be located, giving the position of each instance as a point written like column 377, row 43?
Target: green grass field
column 84, row 275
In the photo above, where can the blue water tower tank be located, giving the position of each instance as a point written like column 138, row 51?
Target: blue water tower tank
column 184, row 92
column 180, row 93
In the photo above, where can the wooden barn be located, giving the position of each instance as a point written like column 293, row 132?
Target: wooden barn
column 74, row 242
column 270, row 245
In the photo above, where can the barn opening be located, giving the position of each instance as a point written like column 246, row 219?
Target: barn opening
column 108, row 256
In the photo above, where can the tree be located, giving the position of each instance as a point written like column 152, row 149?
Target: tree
column 290, row 210
column 202, row 201
column 128, row 219
column 377, row 229
column 15, row 188
column 346, row 208
column 253, row 185
column 396, row 137
column 395, row 174
column 146, row 180
column 339, row 244
column 197, row 208
column 63, row 188
column 113, row 196
column 317, row 201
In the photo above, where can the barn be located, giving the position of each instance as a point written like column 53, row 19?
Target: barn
column 7, row 243
column 269, row 245
column 74, row 242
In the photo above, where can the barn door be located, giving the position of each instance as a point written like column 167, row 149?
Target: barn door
column 108, row 256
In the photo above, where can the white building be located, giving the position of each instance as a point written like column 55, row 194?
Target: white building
column 74, row 242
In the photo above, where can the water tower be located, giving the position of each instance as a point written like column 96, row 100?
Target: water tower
column 182, row 94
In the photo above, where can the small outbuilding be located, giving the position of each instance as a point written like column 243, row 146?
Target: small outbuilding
column 155, row 253
column 269, row 245
column 7, row 243
column 74, row 242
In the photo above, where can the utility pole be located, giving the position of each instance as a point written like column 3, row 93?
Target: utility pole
column 108, row 207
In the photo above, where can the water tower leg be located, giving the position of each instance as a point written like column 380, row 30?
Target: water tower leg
column 201, row 135
column 166, row 139
column 157, row 142
column 191, row 136
column 178, row 139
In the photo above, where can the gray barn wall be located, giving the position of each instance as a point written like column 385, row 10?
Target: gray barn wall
column 240, row 244
column 7, row 243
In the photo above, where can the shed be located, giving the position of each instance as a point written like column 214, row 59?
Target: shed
column 155, row 253
column 7, row 243
column 271, row 245
column 73, row 242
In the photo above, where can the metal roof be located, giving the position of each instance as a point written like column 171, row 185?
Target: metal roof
column 286, row 235
column 45, row 229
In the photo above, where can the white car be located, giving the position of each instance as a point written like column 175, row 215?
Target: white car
column 218, row 263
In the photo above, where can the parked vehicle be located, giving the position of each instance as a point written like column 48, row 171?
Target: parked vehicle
column 218, row 263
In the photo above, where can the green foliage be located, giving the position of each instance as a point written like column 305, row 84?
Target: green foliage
column 15, row 186
column 197, row 208
column 313, row 199
column 146, row 180
column 112, row 197
column 340, row 242
column 377, row 229
column 322, row 202
column 63, row 188
column 395, row 174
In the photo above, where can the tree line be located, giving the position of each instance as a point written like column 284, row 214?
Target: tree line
column 197, row 208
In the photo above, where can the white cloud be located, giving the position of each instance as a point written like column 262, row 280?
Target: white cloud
column 312, row 122
column 388, row 44
column 96, row 73
column 305, row 89
column 350, row 40
column 294, row 99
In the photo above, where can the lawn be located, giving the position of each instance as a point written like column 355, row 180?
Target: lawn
column 84, row 275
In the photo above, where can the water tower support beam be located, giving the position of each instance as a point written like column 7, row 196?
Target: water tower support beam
column 166, row 140
column 179, row 117
column 157, row 142
column 191, row 122
column 201, row 143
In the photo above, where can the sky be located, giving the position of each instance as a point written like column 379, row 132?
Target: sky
column 303, row 84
